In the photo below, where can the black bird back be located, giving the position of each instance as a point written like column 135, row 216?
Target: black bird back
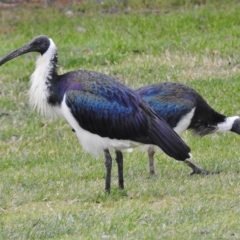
column 172, row 101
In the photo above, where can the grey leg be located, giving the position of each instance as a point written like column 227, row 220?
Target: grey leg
column 151, row 160
column 119, row 160
column 108, row 165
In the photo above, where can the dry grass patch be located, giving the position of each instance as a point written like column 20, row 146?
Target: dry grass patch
column 181, row 67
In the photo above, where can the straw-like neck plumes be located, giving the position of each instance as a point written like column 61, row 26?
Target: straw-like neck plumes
column 41, row 81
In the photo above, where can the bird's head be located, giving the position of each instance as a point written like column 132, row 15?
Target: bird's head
column 236, row 126
column 39, row 44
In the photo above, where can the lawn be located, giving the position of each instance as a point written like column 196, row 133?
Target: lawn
column 51, row 189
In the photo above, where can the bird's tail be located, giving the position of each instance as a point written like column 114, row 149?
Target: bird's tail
column 164, row 137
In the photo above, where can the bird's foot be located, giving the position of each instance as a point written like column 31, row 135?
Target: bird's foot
column 203, row 172
column 152, row 175
column 107, row 191
column 198, row 170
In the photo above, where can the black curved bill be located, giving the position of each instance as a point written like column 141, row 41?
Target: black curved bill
column 20, row 51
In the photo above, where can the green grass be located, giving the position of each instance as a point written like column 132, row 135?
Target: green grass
column 51, row 189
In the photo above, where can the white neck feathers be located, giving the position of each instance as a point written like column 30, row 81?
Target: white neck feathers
column 40, row 81
column 227, row 124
